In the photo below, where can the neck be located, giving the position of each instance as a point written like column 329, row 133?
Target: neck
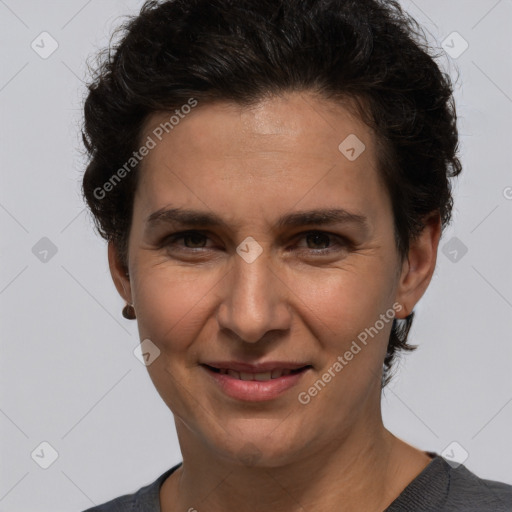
column 366, row 470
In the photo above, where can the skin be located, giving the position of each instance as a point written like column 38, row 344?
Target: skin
column 196, row 299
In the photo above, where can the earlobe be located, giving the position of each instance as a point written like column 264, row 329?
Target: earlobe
column 119, row 273
column 419, row 265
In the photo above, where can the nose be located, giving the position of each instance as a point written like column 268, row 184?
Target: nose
column 255, row 300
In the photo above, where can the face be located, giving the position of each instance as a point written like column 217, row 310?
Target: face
column 288, row 262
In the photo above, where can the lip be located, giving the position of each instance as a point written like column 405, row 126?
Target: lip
column 253, row 390
column 267, row 366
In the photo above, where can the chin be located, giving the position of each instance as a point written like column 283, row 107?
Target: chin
column 257, row 451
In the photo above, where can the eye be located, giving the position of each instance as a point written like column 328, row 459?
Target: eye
column 196, row 241
column 319, row 238
column 193, row 240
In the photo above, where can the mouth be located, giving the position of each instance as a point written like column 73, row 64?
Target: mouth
column 275, row 373
column 254, row 383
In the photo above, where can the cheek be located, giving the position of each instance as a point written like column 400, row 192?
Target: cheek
column 171, row 305
column 345, row 300
column 172, row 308
column 346, row 310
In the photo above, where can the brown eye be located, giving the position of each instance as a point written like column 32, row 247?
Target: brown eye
column 318, row 239
column 320, row 242
column 191, row 240
column 194, row 238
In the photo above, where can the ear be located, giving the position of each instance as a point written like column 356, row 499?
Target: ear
column 119, row 273
column 419, row 266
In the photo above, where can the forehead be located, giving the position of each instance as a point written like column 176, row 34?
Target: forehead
column 277, row 152
column 294, row 122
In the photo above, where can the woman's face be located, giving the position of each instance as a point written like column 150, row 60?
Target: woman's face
column 265, row 285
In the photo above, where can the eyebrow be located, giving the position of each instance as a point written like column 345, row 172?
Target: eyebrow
column 197, row 218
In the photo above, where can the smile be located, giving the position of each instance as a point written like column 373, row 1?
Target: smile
column 262, row 376
column 255, row 386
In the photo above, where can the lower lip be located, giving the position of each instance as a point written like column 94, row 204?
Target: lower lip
column 254, row 390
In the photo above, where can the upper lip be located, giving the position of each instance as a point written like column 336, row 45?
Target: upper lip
column 267, row 366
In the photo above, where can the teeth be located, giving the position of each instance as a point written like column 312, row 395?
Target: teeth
column 262, row 376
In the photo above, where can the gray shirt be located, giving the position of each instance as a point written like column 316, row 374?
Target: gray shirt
column 438, row 488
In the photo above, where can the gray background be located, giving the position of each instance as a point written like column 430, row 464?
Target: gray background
column 68, row 372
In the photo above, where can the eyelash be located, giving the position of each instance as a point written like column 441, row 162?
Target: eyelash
column 342, row 242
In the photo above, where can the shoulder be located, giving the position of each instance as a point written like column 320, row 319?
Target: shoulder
column 470, row 493
column 121, row 504
column 146, row 499
column 443, row 487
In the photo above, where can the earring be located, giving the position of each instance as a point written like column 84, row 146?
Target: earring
column 129, row 312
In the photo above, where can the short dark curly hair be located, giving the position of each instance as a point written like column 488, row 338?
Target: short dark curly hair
column 368, row 51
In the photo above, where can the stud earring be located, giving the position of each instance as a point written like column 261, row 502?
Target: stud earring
column 129, row 312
